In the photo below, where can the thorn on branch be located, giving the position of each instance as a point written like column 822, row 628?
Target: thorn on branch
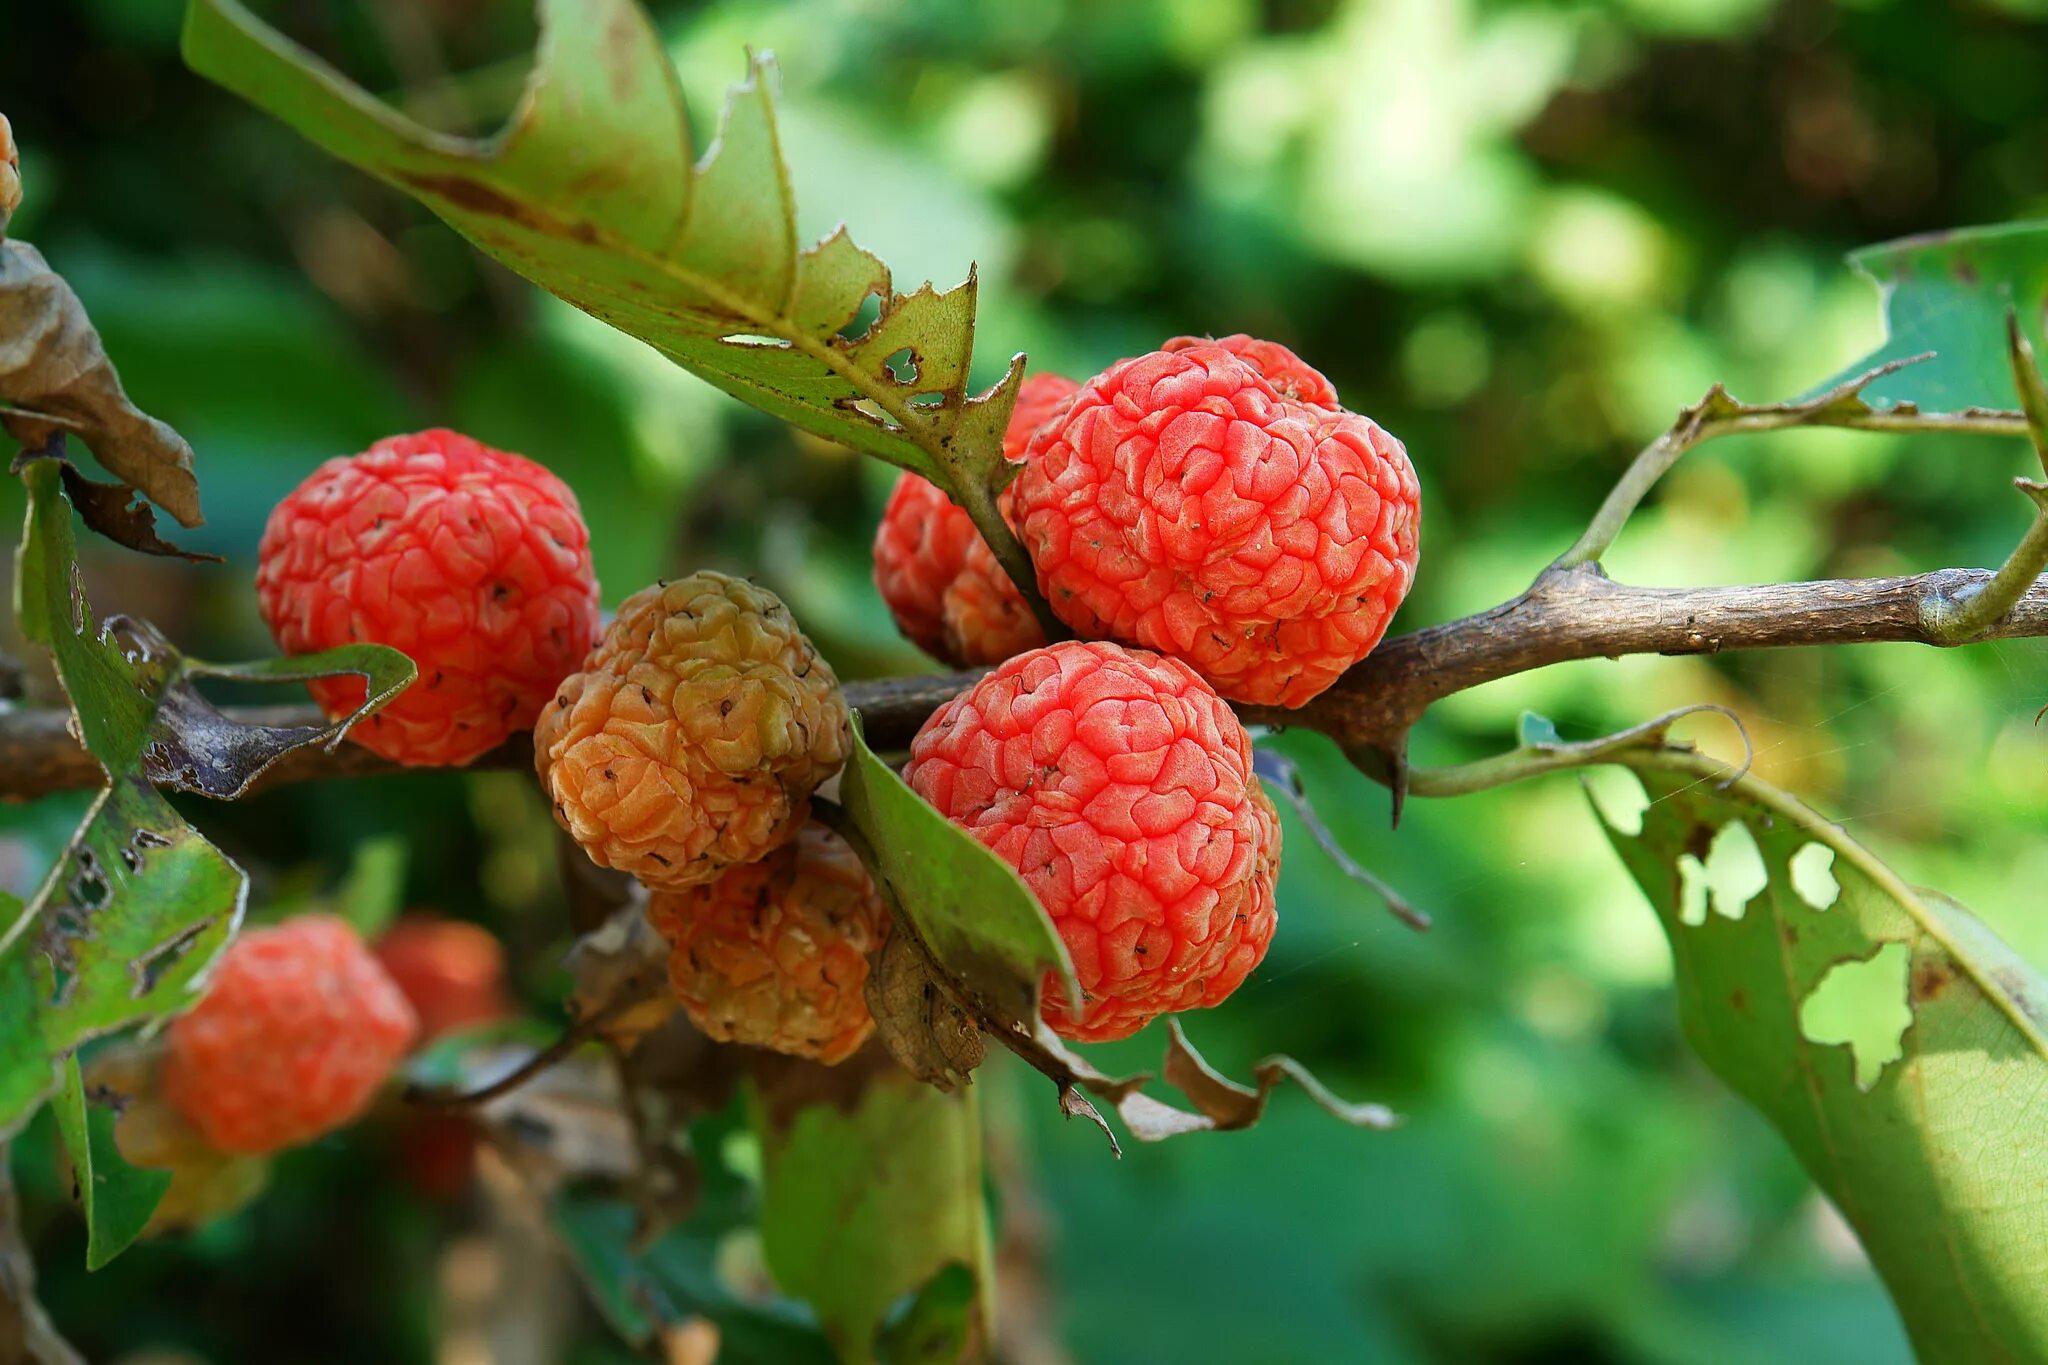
column 1282, row 774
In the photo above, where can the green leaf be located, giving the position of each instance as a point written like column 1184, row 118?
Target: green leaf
column 968, row 908
column 590, row 192
column 1925, row 1121
column 125, row 926
column 133, row 693
column 934, row 1324
column 121, row 932
column 1948, row 293
column 118, row 1199
column 866, row 1202
column 640, row 1291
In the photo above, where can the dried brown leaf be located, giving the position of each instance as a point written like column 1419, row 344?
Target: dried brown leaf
column 114, row 510
column 1224, row 1104
column 918, row 1020
column 55, row 375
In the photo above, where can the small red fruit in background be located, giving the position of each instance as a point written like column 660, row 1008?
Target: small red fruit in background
column 1186, row 502
column 1120, row 787
column 472, row 561
column 452, row 972
column 942, row 583
column 775, row 954
column 299, row 1027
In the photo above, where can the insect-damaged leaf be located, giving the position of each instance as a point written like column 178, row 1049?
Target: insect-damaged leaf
column 55, row 376
column 121, row 932
column 125, row 925
column 132, row 691
column 1940, row 1163
column 591, row 192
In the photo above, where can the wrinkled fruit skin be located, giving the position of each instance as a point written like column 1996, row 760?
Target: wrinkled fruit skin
column 942, row 583
column 474, row 562
column 298, row 1029
column 694, row 734
column 775, row 954
column 1120, row 787
column 10, row 171
column 1290, row 375
column 451, row 972
column 1184, row 503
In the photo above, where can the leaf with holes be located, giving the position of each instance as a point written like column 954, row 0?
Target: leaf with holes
column 1948, row 293
column 1933, row 1141
column 592, row 192
column 126, row 924
column 121, row 932
column 865, row 1203
column 118, row 1199
column 133, row 693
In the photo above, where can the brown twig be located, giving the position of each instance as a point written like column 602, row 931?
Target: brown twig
column 1572, row 611
column 1576, row 613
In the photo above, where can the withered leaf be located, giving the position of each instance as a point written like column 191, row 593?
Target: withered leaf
column 112, row 509
column 1224, row 1104
column 54, row 374
column 918, row 1020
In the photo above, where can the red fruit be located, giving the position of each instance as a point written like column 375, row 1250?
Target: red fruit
column 942, row 583
column 297, row 1030
column 775, row 954
column 474, row 562
column 1290, row 375
column 452, row 972
column 1182, row 502
column 1120, row 786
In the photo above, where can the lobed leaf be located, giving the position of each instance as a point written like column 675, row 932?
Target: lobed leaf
column 1934, row 1144
column 590, row 191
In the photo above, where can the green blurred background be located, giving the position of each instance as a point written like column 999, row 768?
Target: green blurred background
column 1519, row 234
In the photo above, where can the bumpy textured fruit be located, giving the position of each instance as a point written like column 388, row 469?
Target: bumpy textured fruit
column 1120, row 786
column 298, row 1028
column 1184, row 503
column 10, row 171
column 1290, row 375
column 452, row 972
column 695, row 733
column 942, row 583
column 474, row 562
column 775, row 954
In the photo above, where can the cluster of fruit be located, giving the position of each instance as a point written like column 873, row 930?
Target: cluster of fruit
column 301, row 1025
column 1208, row 519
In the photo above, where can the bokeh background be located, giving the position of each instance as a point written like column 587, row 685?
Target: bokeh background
column 1519, row 234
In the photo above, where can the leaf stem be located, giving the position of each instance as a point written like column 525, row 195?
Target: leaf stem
column 1974, row 609
column 1717, row 414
